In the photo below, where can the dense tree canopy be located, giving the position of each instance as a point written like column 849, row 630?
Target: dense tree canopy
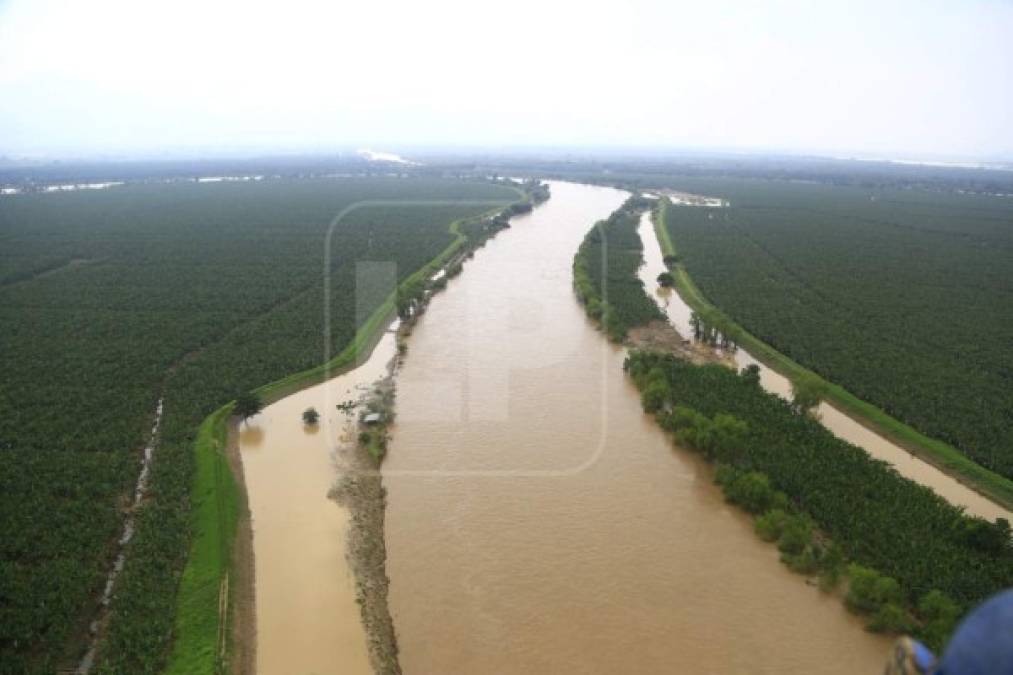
column 191, row 292
column 879, row 519
column 901, row 297
column 605, row 272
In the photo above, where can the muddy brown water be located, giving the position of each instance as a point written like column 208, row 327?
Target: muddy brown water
column 842, row 426
column 306, row 615
column 539, row 522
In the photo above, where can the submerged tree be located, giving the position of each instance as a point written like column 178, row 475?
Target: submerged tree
column 247, row 405
column 751, row 374
column 806, row 393
column 310, row 416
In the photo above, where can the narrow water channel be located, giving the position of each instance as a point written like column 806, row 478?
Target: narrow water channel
column 306, row 615
column 843, row 426
column 539, row 522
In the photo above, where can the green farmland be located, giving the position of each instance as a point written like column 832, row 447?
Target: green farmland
column 112, row 299
column 902, row 297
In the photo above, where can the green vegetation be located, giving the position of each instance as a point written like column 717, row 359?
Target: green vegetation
column 191, row 293
column 605, row 273
column 247, row 405
column 917, row 561
column 901, row 298
column 912, row 384
column 373, row 436
column 807, row 392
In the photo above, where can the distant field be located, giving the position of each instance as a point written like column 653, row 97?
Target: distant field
column 903, row 297
column 111, row 298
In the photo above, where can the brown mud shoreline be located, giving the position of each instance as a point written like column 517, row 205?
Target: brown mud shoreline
column 661, row 336
column 360, row 490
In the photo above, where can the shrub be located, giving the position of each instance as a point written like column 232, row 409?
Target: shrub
column 751, row 374
column 983, row 535
column 939, row 614
column 869, row 591
column 654, row 396
column 890, row 618
column 806, row 562
column 751, row 491
column 796, row 535
column 771, row 524
column 832, row 566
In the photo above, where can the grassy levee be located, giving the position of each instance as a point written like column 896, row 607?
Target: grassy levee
column 203, row 603
column 940, row 454
column 197, row 646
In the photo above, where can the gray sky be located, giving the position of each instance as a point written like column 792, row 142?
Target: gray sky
column 918, row 78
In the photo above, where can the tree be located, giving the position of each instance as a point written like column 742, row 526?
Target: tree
column 807, row 392
column 666, row 279
column 985, row 536
column 751, row 374
column 771, row 524
column 729, row 434
column 939, row 615
column 310, row 416
column 833, row 566
column 869, row 591
column 247, row 405
column 654, row 396
column 796, row 535
column 890, row 618
column 752, row 492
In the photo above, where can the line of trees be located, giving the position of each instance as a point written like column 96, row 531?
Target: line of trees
column 605, row 272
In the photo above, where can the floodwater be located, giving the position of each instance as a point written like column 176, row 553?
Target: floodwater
column 306, row 615
column 539, row 522
column 842, row 426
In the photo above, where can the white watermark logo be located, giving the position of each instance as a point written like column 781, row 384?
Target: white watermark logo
column 505, row 362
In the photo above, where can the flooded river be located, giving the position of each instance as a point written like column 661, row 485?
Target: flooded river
column 539, row 522
column 306, row 615
column 906, row 463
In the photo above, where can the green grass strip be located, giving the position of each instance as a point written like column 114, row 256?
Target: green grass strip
column 935, row 452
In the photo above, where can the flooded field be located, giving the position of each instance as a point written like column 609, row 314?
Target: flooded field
column 539, row 522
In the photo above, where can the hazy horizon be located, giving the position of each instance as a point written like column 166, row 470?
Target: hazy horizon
column 904, row 80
